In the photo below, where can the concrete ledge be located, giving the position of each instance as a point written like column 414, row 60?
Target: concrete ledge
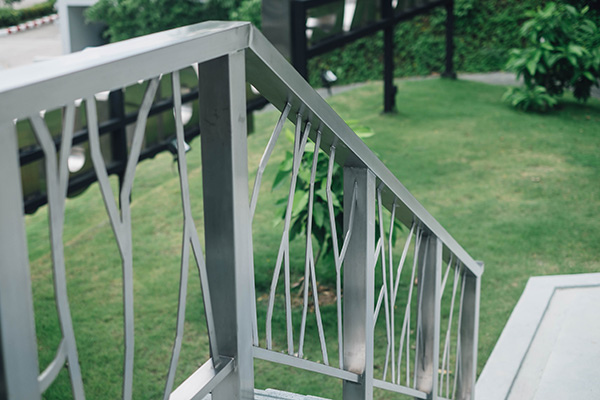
column 504, row 365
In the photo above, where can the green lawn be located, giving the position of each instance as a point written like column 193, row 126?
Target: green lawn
column 519, row 191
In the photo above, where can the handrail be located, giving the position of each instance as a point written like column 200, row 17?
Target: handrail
column 268, row 71
column 223, row 51
column 277, row 81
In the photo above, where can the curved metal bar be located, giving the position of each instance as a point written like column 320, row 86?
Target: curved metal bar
column 283, row 255
column 309, row 267
column 254, row 200
column 56, row 182
column 190, row 238
column 457, row 371
column 334, row 239
column 384, row 288
column 405, row 334
column 121, row 222
column 392, row 297
column 445, row 367
column 266, row 156
column 53, row 369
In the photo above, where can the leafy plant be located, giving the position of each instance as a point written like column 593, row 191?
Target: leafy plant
column 249, row 10
column 321, row 229
column 562, row 53
column 321, row 225
column 10, row 16
column 526, row 98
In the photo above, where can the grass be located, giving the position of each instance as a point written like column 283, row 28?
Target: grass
column 518, row 191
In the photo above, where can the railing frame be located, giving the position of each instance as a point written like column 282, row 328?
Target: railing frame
column 227, row 217
column 18, row 349
column 359, row 283
column 227, row 51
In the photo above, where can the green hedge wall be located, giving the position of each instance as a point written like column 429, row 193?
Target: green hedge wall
column 10, row 17
column 485, row 30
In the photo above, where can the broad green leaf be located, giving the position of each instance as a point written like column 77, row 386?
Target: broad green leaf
column 318, row 214
column 589, row 76
column 300, row 202
column 531, row 66
column 576, row 49
column 281, row 176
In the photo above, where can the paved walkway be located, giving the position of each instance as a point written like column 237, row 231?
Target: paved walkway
column 29, row 46
column 550, row 346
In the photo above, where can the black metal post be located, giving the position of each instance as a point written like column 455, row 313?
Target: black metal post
column 118, row 137
column 449, row 72
column 389, row 90
column 298, row 31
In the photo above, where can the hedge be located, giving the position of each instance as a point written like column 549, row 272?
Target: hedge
column 485, row 31
column 10, row 17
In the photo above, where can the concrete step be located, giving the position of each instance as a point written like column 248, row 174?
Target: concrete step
column 550, row 346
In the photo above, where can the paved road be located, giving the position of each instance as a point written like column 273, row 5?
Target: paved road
column 29, row 46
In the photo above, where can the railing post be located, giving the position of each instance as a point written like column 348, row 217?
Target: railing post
column 118, row 138
column 359, row 282
column 299, row 43
column 227, row 217
column 428, row 320
column 389, row 90
column 449, row 69
column 469, row 328
column 18, row 348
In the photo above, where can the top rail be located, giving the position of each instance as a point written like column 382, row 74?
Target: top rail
column 223, row 52
column 277, row 81
column 80, row 75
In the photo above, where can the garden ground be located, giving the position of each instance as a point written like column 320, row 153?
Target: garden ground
column 519, row 191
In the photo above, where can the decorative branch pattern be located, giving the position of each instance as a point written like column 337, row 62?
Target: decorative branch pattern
column 57, row 179
column 121, row 220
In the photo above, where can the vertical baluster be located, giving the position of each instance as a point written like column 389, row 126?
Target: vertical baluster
column 469, row 328
column 18, row 348
column 310, row 272
column 227, row 226
column 385, row 290
column 359, row 282
column 428, row 329
column 120, row 217
column 57, row 180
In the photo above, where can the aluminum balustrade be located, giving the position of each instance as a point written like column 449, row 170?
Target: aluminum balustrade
column 406, row 300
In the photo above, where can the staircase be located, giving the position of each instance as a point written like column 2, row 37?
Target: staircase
column 407, row 310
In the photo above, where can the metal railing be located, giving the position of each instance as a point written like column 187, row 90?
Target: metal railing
column 422, row 357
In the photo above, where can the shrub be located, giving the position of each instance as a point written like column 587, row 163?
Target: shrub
column 526, row 98
column 562, row 53
column 321, row 223
column 249, row 10
column 321, row 229
column 130, row 18
column 9, row 16
column 485, row 31
column 38, row 10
